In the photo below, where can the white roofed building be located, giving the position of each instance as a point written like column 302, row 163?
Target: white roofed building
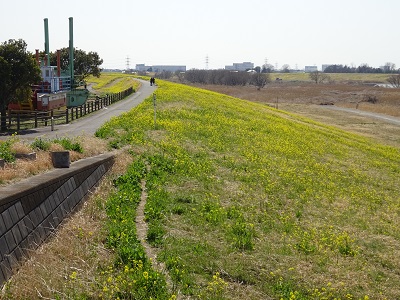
column 244, row 66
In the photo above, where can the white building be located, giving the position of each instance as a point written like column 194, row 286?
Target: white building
column 309, row 69
column 160, row 68
column 244, row 66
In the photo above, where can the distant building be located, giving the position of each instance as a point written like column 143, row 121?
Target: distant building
column 141, row 67
column 244, row 66
column 309, row 69
column 160, row 68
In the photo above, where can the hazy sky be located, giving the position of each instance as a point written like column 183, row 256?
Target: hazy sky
column 185, row 32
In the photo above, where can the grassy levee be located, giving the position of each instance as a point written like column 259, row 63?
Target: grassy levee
column 248, row 202
column 113, row 82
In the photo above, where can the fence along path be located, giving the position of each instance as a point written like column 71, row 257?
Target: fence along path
column 91, row 122
column 25, row 119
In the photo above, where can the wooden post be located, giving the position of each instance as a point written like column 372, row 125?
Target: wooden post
column 66, row 116
column 52, row 120
column 9, row 119
column 36, row 121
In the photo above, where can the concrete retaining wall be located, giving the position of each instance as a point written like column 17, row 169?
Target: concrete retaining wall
column 31, row 209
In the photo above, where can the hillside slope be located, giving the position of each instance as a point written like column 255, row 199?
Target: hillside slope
column 245, row 201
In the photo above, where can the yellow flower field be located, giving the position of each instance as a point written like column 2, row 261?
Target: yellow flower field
column 249, row 202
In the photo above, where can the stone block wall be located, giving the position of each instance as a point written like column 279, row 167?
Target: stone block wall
column 31, row 209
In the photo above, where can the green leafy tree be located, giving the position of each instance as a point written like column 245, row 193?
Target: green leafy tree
column 85, row 64
column 18, row 71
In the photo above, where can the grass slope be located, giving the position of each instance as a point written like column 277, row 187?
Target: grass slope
column 245, row 201
column 113, row 83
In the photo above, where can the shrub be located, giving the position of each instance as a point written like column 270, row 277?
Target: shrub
column 40, row 144
column 6, row 152
column 68, row 144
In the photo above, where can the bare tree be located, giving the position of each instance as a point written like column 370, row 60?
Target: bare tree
column 267, row 68
column 389, row 67
column 165, row 74
column 260, row 80
column 319, row 77
column 180, row 75
column 285, row 68
column 394, row 80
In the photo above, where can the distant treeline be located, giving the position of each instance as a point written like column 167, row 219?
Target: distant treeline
column 387, row 69
column 220, row 77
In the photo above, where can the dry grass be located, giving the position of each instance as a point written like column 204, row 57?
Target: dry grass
column 23, row 168
column 308, row 93
column 67, row 265
column 20, row 147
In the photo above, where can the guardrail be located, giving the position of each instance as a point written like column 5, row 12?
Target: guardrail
column 25, row 119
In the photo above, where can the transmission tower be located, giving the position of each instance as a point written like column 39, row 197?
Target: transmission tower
column 207, row 62
column 127, row 63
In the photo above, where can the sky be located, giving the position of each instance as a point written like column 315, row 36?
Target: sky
column 212, row 33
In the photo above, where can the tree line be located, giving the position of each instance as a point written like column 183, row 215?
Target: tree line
column 219, row 77
column 388, row 68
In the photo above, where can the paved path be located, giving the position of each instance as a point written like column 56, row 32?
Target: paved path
column 90, row 123
column 389, row 119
